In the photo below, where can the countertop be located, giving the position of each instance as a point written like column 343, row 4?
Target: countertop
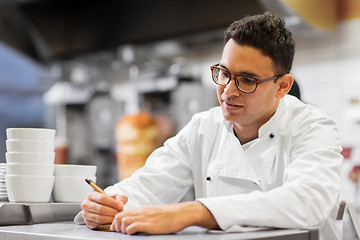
column 69, row 230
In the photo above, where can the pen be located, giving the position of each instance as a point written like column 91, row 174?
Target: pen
column 94, row 186
column 104, row 227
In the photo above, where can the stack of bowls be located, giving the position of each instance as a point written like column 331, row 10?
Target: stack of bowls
column 70, row 185
column 3, row 192
column 30, row 165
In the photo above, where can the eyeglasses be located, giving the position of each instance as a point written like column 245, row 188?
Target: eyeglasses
column 245, row 83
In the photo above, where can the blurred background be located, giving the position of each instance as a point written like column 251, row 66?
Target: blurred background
column 80, row 66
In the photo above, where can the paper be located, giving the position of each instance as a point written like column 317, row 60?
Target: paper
column 238, row 228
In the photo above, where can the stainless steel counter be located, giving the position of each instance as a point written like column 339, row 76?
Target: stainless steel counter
column 69, row 230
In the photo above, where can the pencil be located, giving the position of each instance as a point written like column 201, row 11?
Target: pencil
column 104, row 227
column 94, row 186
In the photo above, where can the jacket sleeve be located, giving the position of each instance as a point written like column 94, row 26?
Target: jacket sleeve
column 167, row 175
column 310, row 188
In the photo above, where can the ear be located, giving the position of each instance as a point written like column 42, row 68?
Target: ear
column 284, row 84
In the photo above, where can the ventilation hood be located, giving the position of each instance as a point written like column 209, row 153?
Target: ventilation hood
column 48, row 30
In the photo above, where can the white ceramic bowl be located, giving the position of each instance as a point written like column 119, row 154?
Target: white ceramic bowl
column 30, row 169
column 39, row 134
column 71, row 188
column 24, row 188
column 29, row 146
column 75, row 170
column 30, row 157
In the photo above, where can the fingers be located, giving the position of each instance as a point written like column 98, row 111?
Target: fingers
column 129, row 224
column 157, row 219
column 96, row 219
column 100, row 209
column 135, row 227
column 97, row 208
column 91, row 224
column 94, row 225
column 121, row 198
column 117, row 223
column 139, row 220
column 116, row 202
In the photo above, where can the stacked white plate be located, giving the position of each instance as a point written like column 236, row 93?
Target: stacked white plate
column 3, row 192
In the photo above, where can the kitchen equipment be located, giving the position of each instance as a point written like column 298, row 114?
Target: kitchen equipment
column 38, row 134
column 30, row 164
column 29, row 169
column 29, row 188
column 30, row 146
column 3, row 191
column 71, row 188
column 30, row 157
column 70, row 185
column 74, row 170
column 32, row 213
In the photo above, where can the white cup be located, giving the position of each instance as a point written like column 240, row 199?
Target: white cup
column 74, row 170
column 30, row 157
column 30, row 169
column 26, row 188
column 30, row 146
column 38, row 134
column 71, row 188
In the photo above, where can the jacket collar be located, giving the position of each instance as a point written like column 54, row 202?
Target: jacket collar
column 273, row 123
column 268, row 126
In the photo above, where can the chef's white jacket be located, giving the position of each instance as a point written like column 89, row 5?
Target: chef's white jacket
column 289, row 177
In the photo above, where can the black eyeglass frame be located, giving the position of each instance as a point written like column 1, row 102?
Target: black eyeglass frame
column 234, row 76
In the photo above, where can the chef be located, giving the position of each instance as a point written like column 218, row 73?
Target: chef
column 260, row 159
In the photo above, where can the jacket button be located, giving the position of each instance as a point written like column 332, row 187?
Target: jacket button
column 208, row 178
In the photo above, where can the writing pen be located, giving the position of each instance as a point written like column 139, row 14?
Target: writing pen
column 104, row 227
column 94, row 186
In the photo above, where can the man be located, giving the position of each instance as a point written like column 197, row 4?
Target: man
column 262, row 158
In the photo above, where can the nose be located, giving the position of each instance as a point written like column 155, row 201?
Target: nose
column 231, row 88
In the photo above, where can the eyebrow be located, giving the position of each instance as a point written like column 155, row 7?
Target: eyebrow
column 242, row 73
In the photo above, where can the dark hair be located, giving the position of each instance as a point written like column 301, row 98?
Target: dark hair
column 267, row 33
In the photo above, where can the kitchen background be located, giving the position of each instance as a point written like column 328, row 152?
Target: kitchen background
column 79, row 66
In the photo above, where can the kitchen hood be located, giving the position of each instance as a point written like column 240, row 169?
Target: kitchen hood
column 47, row 30
column 51, row 29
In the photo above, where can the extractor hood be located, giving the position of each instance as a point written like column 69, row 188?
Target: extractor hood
column 51, row 29
column 48, row 30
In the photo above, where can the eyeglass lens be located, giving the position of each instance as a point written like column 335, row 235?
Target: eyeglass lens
column 244, row 83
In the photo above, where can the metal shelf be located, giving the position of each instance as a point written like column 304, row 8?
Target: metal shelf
column 30, row 213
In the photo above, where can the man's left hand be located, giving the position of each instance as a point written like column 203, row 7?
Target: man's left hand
column 163, row 219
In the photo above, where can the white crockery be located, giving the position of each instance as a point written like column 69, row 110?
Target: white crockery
column 75, row 170
column 71, row 188
column 30, row 146
column 30, row 157
column 39, row 134
column 30, row 169
column 25, row 188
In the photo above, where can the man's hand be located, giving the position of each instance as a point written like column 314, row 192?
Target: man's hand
column 99, row 209
column 164, row 219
